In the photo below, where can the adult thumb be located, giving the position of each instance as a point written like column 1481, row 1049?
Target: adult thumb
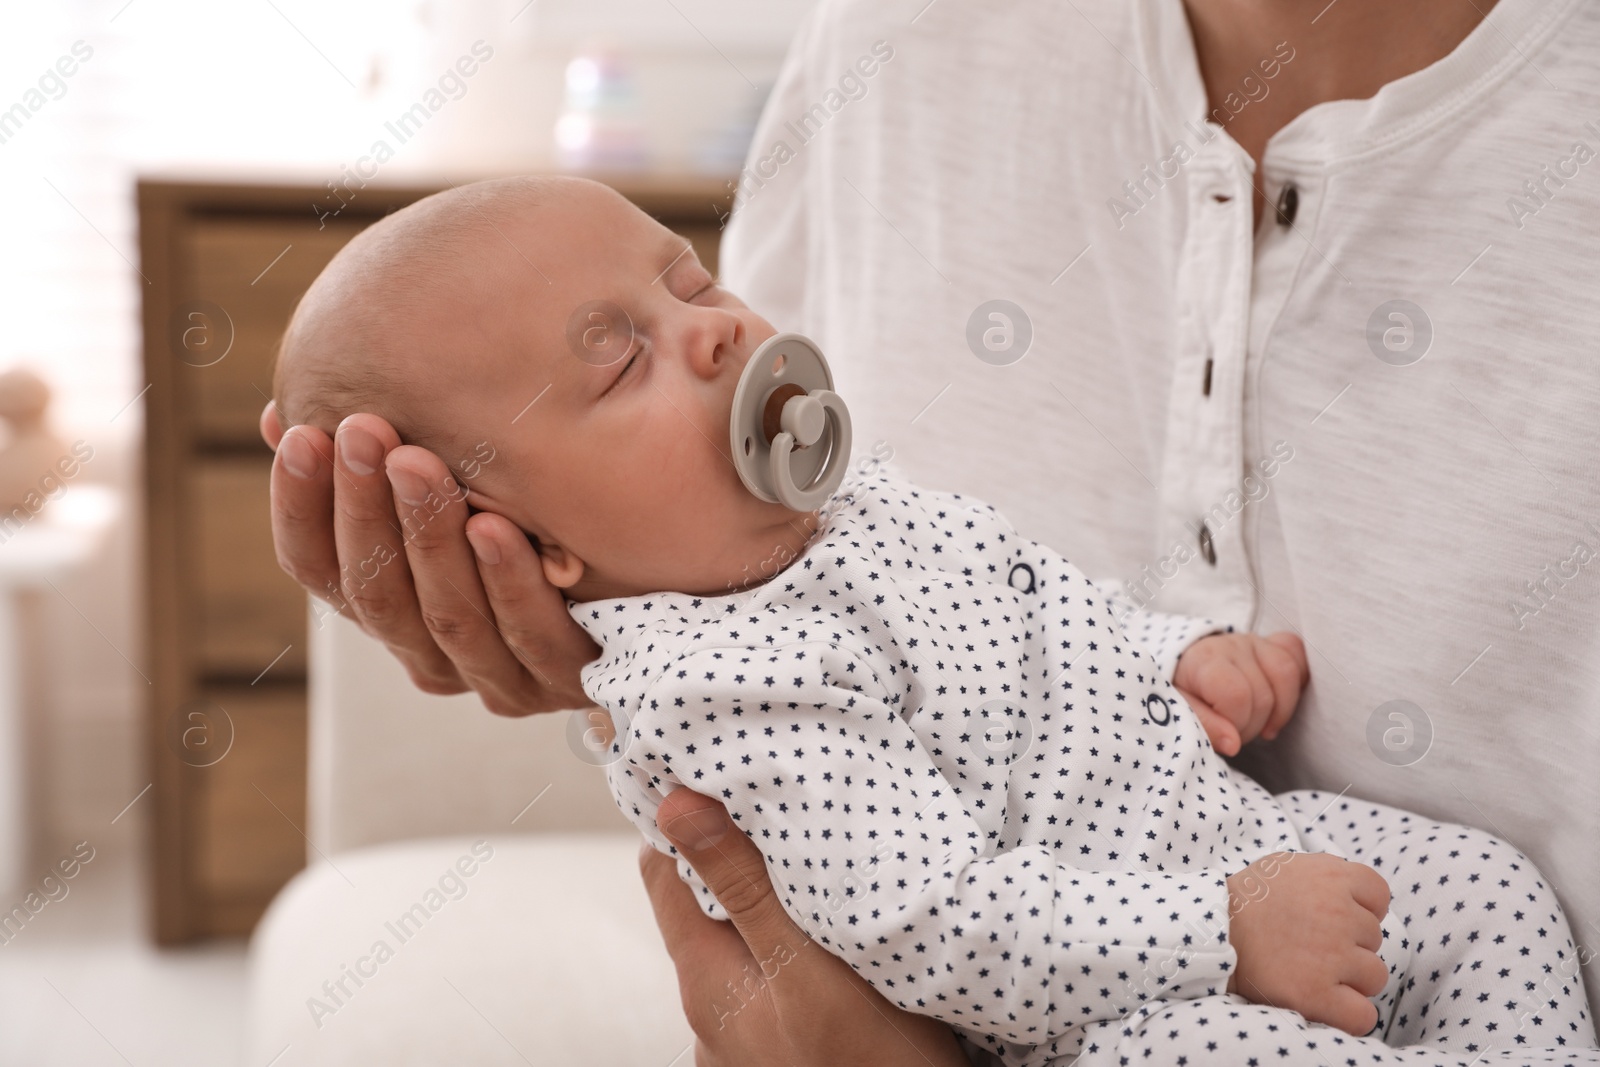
column 692, row 822
column 732, row 868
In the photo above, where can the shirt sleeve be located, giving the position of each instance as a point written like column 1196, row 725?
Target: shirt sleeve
column 876, row 856
column 1164, row 637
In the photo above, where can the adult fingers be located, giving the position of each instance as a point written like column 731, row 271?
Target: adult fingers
column 271, row 429
column 302, row 511
column 530, row 612
column 816, row 1010
column 375, row 576
column 732, row 868
column 703, row 949
column 433, row 513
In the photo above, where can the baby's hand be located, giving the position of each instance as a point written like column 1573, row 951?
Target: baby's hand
column 1242, row 685
column 1305, row 927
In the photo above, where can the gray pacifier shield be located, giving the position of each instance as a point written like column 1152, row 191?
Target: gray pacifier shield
column 805, row 461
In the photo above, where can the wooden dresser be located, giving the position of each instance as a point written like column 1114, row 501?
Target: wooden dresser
column 226, row 719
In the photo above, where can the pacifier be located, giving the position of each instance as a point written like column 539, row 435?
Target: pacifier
column 789, row 430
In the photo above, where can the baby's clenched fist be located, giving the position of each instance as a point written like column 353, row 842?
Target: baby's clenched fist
column 1306, row 927
column 1242, row 686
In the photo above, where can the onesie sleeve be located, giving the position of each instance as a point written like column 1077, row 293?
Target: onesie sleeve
column 876, row 856
column 1164, row 637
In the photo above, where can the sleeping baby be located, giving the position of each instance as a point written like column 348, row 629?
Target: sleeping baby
column 969, row 780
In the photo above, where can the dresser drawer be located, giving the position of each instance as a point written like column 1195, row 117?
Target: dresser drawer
column 248, row 798
column 245, row 613
column 240, row 280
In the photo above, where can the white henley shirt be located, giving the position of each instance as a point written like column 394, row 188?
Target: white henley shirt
column 1374, row 419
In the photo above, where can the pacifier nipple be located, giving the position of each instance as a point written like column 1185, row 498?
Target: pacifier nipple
column 789, row 430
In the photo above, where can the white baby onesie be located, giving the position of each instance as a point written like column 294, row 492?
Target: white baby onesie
column 966, row 779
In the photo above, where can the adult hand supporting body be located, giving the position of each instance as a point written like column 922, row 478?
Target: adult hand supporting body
column 759, row 990
column 459, row 599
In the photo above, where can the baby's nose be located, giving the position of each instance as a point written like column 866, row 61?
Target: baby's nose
column 720, row 346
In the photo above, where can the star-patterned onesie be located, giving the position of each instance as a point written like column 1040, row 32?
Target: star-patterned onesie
column 971, row 783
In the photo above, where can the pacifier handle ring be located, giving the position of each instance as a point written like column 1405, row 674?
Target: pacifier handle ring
column 780, row 397
column 827, row 480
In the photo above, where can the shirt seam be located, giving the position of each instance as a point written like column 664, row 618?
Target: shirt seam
column 1436, row 118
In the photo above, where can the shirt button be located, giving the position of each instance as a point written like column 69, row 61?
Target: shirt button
column 1207, row 548
column 1288, row 204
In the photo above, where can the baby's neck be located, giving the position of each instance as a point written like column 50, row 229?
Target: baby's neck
column 790, row 543
column 769, row 552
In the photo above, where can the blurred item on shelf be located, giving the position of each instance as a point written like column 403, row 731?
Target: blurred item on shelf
column 600, row 127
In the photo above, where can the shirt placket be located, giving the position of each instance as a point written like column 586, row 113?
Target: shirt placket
column 1281, row 247
column 1204, row 568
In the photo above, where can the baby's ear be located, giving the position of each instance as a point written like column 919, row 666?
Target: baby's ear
column 562, row 568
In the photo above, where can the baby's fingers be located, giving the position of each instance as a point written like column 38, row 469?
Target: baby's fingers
column 1369, row 888
column 1262, row 697
column 1282, row 657
column 1222, row 683
column 1367, row 927
column 1224, row 734
column 1366, row 973
column 1348, row 1010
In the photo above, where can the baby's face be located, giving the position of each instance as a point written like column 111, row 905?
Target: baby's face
column 604, row 376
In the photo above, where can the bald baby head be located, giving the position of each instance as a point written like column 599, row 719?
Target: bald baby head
column 575, row 361
column 417, row 306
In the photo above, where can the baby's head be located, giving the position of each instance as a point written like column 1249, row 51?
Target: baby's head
column 550, row 320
